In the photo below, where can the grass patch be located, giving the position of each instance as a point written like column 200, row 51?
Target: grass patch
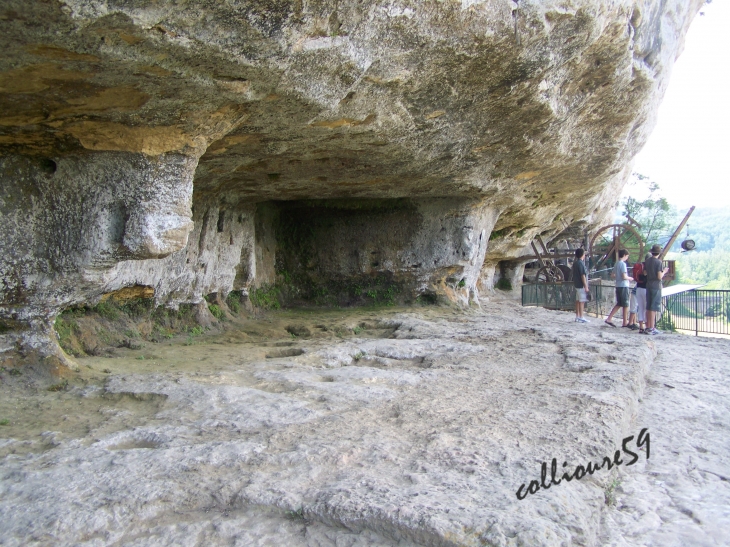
column 67, row 329
column 4, row 421
column 87, row 330
column 296, row 515
column 61, row 386
column 499, row 234
column 384, row 296
column 610, row 493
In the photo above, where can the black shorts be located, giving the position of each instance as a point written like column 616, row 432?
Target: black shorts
column 622, row 297
column 654, row 299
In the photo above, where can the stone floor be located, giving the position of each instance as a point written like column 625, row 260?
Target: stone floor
column 374, row 427
column 681, row 496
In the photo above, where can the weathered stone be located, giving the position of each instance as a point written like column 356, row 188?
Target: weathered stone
column 417, row 431
column 117, row 117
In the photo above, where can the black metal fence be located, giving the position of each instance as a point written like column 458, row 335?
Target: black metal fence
column 561, row 296
column 698, row 310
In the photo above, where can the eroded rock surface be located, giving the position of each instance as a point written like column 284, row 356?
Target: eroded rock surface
column 165, row 144
column 682, row 495
column 417, row 430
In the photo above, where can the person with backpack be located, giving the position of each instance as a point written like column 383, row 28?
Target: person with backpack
column 640, row 276
column 636, row 271
column 580, row 282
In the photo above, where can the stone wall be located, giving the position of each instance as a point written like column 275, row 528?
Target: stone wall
column 432, row 247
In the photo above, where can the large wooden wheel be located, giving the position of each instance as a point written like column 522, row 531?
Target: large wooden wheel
column 608, row 240
column 549, row 274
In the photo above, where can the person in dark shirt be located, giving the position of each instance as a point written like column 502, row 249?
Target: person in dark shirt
column 580, row 281
column 654, row 275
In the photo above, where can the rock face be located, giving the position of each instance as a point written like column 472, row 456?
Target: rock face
column 397, row 146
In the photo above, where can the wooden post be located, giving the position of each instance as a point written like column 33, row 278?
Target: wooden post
column 537, row 254
column 697, row 315
column 675, row 235
column 544, row 249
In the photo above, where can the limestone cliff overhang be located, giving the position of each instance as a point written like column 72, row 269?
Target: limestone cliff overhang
column 124, row 126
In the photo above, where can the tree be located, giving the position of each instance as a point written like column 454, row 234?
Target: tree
column 655, row 215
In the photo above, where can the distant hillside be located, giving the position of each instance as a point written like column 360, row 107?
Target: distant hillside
column 709, row 228
column 709, row 263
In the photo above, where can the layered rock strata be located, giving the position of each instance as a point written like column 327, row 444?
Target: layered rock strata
column 170, row 144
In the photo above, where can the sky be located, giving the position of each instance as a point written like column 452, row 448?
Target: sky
column 687, row 153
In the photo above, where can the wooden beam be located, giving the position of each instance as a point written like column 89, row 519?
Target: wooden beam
column 545, row 250
column 537, row 254
column 675, row 235
column 633, row 221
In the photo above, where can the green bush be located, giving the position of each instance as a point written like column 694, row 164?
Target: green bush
column 139, row 307
column 216, row 311
column 107, row 310
column 265, row 297
column 234, row 302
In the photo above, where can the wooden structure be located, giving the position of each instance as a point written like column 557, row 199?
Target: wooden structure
column 603, row 250
column 551, row 270
column 607, row 242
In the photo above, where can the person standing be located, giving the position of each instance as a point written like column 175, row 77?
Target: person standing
column 639, row 275
column 654, row 275
column 636, row 271
column 580, row 282
column 622, row 288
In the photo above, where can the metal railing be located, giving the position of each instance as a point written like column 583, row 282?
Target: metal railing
column 561, row 296
column 698, row 310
